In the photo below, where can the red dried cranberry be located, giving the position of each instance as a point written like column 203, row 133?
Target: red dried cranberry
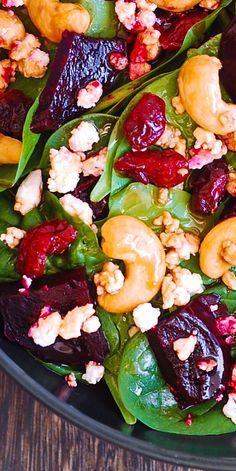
column 139, row 52
column 14, row 106
column 51, row 237
column 172, row 37
column 146, row 122
column 165, row 169
column 227, row 55
column 209, row 187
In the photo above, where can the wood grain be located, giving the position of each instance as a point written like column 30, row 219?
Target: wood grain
column 35, row 439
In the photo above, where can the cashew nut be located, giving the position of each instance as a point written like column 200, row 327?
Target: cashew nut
column 216, row 256
column 11, row 29
column 176, row 6
column 200, row 94
column 10, row 150
column 130, row 240
column 51, row 18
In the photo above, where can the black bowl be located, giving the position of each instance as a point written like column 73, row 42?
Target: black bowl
column 94, row 410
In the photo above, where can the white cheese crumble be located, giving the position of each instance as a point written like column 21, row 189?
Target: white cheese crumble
column 95, row 165
column 146, row 316
column 90, row 95
column 178, row 287
column 94, row 372
column 22, row 49
column 146, row 18
column 45, row 331
column 83, row 137
column 7, row 73
column 35, row 65
column 12, row 3
column 29, row 193
column 185, row 346
column 229, row 409
column 109, row 280
column 126, row 13
column 72, row 323
column 12, row 236
column 65, row 169
column 77, row 208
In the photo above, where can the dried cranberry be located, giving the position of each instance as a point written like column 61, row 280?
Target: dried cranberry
column 229, row 210
column 118, row 61
column 78, row 61
column 189, row 383
column 146, row 122
column 83, row 190
column 208, row 187
column 51, row 237
column 165, row 169
column 227, row 55
column 14, row 106
column 173, row 36
column 64, row 292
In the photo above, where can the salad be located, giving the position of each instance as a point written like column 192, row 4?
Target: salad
column 118, row 201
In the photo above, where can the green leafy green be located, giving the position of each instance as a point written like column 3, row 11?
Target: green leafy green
column 193, row 266
column 7, row 264
column 62, row 370
column 141, row 201
column 84, row 250
column 146, row 395
column 10, row 174
column 104, row 21
column 103, row 122
column 227, row 296
column 31, row 219
column 8, row 218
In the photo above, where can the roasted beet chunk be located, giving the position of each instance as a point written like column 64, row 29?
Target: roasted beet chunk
column 83, row 191
column 227, row 55
column 79, row 60
column 14, row 106
column 50, row 237
column 190, row 351
column 146, row 122
column 62, row 292
column 209, row 186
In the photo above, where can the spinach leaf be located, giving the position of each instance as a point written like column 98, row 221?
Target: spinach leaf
column 61, row 370
column 8, row 218
column 103, row 122
column 84, row 250
column 147, row 396
column 193, row 266
column 104, row 21
column 7, row 264
column 227, row 296
column 31, row 219
column 115, row 328
column 193, row 37
column 141, row 201
column 10, row 174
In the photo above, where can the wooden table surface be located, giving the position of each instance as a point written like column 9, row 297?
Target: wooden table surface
column 35, row 439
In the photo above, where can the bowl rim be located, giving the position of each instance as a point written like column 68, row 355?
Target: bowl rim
column 105, row 432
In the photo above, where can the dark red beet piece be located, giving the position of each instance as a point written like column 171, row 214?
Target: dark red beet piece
column 14, row 106
column 190, row 384
column 229, row 209
column 172, row 37
column 227, row 55
column 64, row 292
column 50, row 237
column 165, row 169
column 146, row 122
column 79, row 60
column 83, row 191
column 208, row 186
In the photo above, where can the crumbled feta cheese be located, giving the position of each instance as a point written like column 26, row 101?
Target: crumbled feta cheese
column 65, row 169
column 12, row 3
column 109, row 280
column 77, row 208
column 126, row 13
column 22, row 49
column 178, row 105
column 35, row 65
column 27, row 282
column 71, row 380
column 145, row 5
column 91, row 325
column 83, row 137
column 94, row 372
column 7, row 73
column 209, row 4
column 73, row 321
column 146, row 18
column 90, row 95
column 145, row 316
column 178, row 287
column 118, row 61
column 207, row 364
column 137, row 69
column 151, row 40
column 231, row 183
column 29, row 193
column 229, row 409
column 45, row 331
column 95, row 165
column 229, row 279
column 185, row 346
column 12, row 236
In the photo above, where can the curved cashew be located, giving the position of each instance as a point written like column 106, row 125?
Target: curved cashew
column 10, row 150
column 176, row 6
column 200, row 94
column 216, row 256
column 130, row 240
column 11, row 29
column 51, row 18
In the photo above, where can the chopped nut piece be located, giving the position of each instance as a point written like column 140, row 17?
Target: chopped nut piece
column 178, row 287
column 230, row 140
column 71, row 380
column 209, row 4
column 109, row 280
column 163, row 196
column 133, row 330
column 228, row 252
column 95, row 164
column 12, row 237
column 178, row 105
column 150, row 38
column 229, row 279
column 77, row 208
column 29, row 193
